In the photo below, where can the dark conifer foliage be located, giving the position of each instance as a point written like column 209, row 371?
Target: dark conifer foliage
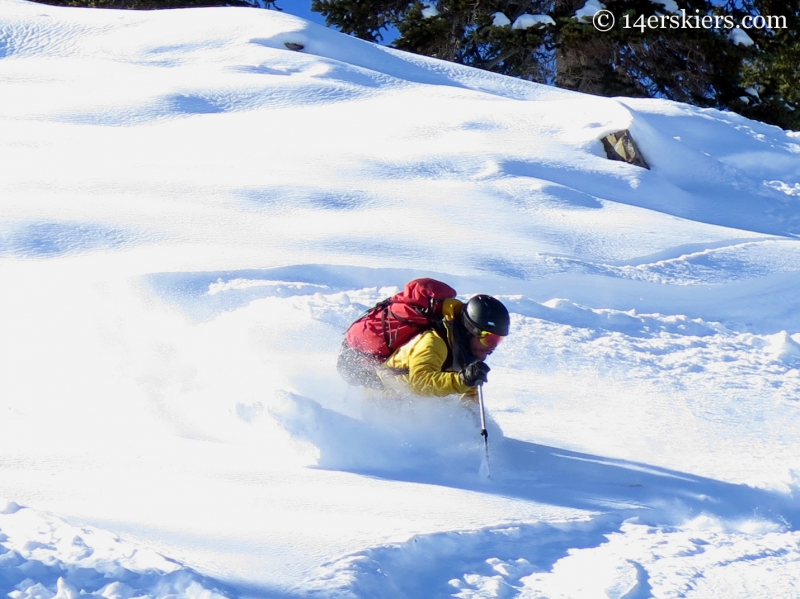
column 772, row 73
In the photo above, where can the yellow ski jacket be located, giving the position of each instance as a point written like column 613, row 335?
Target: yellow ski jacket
column 419, row 365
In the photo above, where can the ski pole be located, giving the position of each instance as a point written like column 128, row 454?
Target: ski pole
column 484, row 432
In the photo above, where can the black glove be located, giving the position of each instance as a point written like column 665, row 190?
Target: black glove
column 475, row 373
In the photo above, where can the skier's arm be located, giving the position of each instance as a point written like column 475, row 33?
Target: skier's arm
column 425, row 375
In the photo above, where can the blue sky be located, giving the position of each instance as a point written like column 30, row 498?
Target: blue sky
column 301, row 8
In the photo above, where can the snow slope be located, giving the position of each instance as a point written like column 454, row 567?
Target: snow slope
column 192, row 214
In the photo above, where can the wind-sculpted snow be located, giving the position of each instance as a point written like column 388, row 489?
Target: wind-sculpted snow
column 53, row 238
column 704, row 266
column 38, row 37
column 193, row 213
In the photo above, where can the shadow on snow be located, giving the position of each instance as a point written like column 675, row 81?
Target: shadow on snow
column 656, row 496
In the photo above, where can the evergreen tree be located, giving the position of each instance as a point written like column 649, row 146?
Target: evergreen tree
column 772, row 73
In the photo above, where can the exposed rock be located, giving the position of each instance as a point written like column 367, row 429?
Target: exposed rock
column 620, row 146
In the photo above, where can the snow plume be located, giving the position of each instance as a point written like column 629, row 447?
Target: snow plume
column 391, row 435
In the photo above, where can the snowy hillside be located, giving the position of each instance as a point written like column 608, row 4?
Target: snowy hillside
column 191, row 214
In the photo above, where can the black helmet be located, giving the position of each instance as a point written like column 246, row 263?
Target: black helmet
column 485, row 313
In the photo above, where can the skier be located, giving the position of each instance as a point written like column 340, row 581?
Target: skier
column 450, row 357
column 424, row 341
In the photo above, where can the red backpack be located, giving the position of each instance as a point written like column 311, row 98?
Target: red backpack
column 392, row 323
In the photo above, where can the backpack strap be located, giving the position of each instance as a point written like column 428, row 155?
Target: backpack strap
column 388, row 312
column 443, row 329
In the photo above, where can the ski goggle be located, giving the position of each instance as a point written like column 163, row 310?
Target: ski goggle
column 488, row 339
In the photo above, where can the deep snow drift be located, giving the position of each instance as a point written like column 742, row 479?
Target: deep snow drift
column 192, row 214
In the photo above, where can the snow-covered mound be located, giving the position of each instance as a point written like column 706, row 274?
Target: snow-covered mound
column 44, row 557
column 192, row 213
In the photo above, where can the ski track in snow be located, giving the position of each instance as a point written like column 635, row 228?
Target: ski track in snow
column 587, row 559
column 189, row 291
column 650, row 500
column 44, row 557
